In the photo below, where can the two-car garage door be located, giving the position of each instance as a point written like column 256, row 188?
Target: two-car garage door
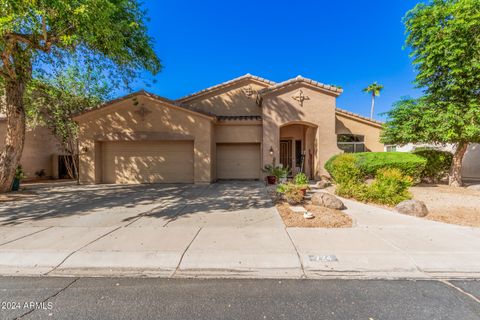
column 131, row 162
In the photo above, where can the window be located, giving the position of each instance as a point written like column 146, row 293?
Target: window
column 391, row 148
column 351, row 143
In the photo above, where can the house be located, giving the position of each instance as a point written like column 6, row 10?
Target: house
column 228, row 131
column 41, row 152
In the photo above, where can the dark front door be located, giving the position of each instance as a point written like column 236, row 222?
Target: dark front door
column 286, row 153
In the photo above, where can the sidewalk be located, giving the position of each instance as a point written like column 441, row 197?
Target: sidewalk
column 246, row 243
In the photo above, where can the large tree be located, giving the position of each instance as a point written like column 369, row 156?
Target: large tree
column 444, row 36
column 38, row 34
column 52, row 102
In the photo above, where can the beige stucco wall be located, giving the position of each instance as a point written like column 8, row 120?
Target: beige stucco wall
column 229, row 101
column 119, row 121
column 40, row 146
column 279, row 109
column 238, row 133
column 350, row 125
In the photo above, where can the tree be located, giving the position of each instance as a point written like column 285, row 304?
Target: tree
column 34, row 34
column 374, row 89
column 444, row 36
column 52, row 102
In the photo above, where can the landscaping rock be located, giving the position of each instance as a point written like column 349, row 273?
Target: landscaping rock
column 327, row 200
column 322, row 184
column 474, row 187
column 412, row 208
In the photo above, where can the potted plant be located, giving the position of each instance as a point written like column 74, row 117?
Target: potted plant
column 282, row 174
column 271, row 171
column 301, row 180
column 19, row 175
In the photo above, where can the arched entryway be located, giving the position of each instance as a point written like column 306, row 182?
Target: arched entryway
column 297, row 147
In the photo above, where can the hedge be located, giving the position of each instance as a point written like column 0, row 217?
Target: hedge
column 438, row 163
column 370, row 162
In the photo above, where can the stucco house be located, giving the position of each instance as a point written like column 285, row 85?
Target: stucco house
column 228, row 131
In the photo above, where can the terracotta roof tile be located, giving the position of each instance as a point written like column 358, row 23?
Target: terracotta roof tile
column 225, row 84
column 356, row 115
column 297, row 79
column 226, row 118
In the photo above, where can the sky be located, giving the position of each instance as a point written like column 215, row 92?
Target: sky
column 348, row 43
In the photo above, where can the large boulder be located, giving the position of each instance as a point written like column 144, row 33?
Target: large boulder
column 327, row 200
column 412, row 208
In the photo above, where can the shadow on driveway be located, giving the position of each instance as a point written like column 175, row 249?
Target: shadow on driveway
column 158, row 200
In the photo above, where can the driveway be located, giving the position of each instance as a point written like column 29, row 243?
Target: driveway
column 229, row 203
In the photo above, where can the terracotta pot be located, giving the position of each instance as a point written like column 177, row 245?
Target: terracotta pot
column 271, row 179
column 304, row 191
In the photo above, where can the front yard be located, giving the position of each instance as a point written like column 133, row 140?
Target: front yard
column 451, row 205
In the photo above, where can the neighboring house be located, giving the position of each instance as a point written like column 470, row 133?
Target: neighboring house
column 471, row 160
column 40, row 152
column 229, row 131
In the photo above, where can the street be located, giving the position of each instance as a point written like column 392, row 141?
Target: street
column 154, row 298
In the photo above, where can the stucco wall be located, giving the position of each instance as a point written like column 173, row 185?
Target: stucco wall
column 40, row 146
column 229, row 101
column 120, row 121
column 279, row 109
column 238, row 133
column 348, row 125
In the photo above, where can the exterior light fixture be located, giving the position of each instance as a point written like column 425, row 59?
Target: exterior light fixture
column 271, row 151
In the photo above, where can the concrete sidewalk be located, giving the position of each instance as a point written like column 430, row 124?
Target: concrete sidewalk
column 227, row 231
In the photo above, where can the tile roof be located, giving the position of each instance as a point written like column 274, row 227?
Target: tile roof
column 297, row 79
column 148, row 94
column 226, row 118
column 356, row 115
column 225, row 84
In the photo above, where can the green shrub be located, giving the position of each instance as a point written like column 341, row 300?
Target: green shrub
column 293, row 193
column 301, row 179
column 390, row 187
column 409, row 164
column 438, row 163
column 344, row 168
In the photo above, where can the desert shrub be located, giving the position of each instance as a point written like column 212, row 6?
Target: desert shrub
column 437, row 166
column 344, row 168
column 292, row 192
column 390, row 187
column 409, row 164
column 301, row 179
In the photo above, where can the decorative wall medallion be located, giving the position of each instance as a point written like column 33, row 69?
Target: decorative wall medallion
column 249, row 91
column 143, row 112
column 300, row 97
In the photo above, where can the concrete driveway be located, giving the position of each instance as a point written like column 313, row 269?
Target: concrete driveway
column 230, row 203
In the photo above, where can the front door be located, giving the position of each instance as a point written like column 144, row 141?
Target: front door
column 286, row 153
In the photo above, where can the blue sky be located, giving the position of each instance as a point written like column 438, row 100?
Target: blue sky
column 346, row 43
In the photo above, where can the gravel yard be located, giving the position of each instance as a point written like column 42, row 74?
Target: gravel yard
column 324, row 217
column 451, row 205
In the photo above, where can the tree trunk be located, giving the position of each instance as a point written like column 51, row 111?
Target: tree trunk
column 373, row 107
column 15, row 136
column 455, row 176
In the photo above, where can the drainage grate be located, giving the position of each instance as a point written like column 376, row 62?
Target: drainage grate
column 327, row 258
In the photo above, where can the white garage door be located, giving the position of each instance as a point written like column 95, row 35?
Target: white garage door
column 133, row 162
column 238, row 161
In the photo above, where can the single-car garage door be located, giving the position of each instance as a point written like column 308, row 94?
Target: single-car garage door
column 131, row 162
column 238, row 161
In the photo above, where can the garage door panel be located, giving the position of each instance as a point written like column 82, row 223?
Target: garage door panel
column 238, row 161
column 148, row 162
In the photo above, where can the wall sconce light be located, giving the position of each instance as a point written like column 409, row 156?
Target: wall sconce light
column 85, row 149
column 271, row 151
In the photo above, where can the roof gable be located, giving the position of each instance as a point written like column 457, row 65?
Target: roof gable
column 299, row 79
column 224, row 85
column 164, row 101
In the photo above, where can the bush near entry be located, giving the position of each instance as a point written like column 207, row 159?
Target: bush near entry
column 438, row 163
column 390, row 186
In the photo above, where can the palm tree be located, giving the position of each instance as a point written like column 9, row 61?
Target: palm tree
column 374, row 89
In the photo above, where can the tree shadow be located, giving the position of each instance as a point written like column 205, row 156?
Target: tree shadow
column 167, row 200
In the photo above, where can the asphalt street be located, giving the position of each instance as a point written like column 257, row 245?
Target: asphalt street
column 154, row 298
